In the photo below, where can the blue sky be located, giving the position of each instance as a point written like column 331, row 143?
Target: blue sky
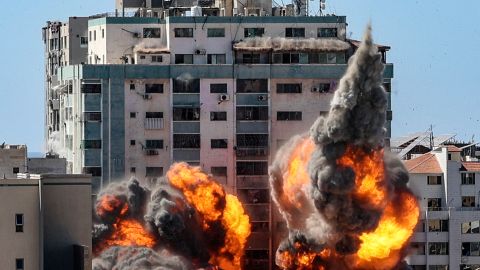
column 435, row 49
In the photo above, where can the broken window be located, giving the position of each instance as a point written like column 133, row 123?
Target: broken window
column 186, row 86
column 438, row 225
column 252, row 167
column 252, row 113
column 468, row 178
column 219, row 171
column 253, row 32
column 438, row 248
column 216, row 59
column 183, row 58
column 216, row 32
column 470, row 249
column 252, row 86
column 186, row 114
column 218, row 88
column 434, row 180
column 252, row 196
column 468, row 201
column 218, row 116
column 289, row 116
column 183, row 32
column 151, row 88
column 151, row 32
column 186, row 141
column 327, row 32
column 471, row 227
column 154, row 115
column 218, row 143
column 252, row 140
column 91, row 88
column 295, row 32
column 91, row 144
column 154, row 171
column 289, row 88
column 434, row 204
column 154, row 144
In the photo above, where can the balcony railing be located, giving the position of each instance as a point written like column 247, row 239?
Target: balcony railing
column 151, row 152
column 153, row 123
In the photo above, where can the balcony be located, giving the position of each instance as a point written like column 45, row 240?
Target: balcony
column 153, row 123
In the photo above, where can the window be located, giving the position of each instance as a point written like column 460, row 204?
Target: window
column 92, row 144
column 289, row 116
column 94, row 171
column 438, row 225
column 153, row 88
column 151, row 32
column 321, row 88
column 434, row 204
column 216, row 59
column 19, row 264
column 103, row 33
column 95, row 35
column 470, row 249
column 132, row 142
column 252, row 140
column 90, row 35
column 157, row 58
column 471, row 227
column 251, row 58
column 418, row 267
column 133, row 169
column 253, row 113
column 154, row 144
column 16, row 170
column 468, row 178
column 327, row 32
column 418, row 248
column 468, row 201
column 218, row 143
column 154, row 171
column 133, row 114
column 186, row 86
column 252, row 86
column 253, row 32
column 216, row 32
column 219, row 171
column 469, row 266
column 186, row 141
column 438, row 267
column 83, row 42
column 92, row 116
column 252, row 196
column 183, row 58
column 183, row 32
column 91, row 88
column 19, row 222
column 132, row 86
column 289, row 88
column 420, row 226
column 252, row 168
column 218, row 88
column 434, row 180
column 186, row 114
column 438, row 248
column 153, row 114
column 387, row 87
column 449, row 156
column 295, row 32
column 218, row 116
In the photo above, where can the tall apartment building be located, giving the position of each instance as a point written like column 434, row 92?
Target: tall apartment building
column 154, row 91
column 448, row 234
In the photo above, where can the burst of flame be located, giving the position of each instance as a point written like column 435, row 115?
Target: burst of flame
column 209, row 199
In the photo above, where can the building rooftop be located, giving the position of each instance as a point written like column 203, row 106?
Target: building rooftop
column 426, row 163
column 470, row 166
column 453, row 148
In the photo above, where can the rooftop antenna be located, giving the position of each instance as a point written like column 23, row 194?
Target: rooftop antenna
column 322, row 7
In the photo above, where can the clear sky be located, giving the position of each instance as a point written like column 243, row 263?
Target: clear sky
column 435, row 49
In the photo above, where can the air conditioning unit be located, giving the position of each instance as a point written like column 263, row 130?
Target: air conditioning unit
column 200, row 51
column 315, row 89
column 223, row 97
column 262, row 97
column 147, row 96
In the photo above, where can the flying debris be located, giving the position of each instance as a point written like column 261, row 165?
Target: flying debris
column 343, row 196
column 187, row 221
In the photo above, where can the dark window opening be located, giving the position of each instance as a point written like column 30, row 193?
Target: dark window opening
column 216, row 59
column 468, row 178
column 295, row 32
column 289, row 116
column 251, row 58
column 94, row 171
column 218, row 116
column 154, row 115
column 434, row 180
column 186, row 141
column 91, row 88
column 327, row 32
column 253, row 32
column 252, row 140
column 183, row 32
column 290, row 88
column 434, row 204
column 16, row 170
column 154, row 171
column 19, row 264
column 132, row 142
column 218, row 143
column 91, row 144
column 183, row 58
column 154, row 144
column 153, row 88
column 218, row 88
column 19, row 222
column 186, row 114
column 219, row 171
column 186, row 86
column 133, row 114
column 253, row 113
column 216, row 32
column 252, row 168
column 151, row 32
column 252, row 85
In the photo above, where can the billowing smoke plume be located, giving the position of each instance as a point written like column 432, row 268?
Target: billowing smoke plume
column 186, row 214
column 285, row 44
column 339, row 192
column 54, row 144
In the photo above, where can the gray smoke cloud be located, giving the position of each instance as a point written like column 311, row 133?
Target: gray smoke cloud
column 283, row 44
column 356, row 119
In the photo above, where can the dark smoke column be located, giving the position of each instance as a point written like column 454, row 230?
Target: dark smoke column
column 352, row 185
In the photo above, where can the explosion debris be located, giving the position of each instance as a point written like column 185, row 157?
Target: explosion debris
column 343, row 197
column 187, row 215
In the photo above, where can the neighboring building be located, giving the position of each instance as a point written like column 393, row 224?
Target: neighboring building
column 45, row 222
column 12, row 160
column 49, row 164
column 448, row 234
column 183, row 88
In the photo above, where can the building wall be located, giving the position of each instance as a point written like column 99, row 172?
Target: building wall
column 47, row 165
column 12, row 158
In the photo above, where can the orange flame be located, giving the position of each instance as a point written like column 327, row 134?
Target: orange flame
column 210, row 201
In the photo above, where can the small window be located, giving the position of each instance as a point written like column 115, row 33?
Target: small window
column 253, row 32
column 218, row 88
column 16, row 170
column 438, row 248
column 252, row 85
column 183, row 32
column 133, row 169
column 154, row 144
column 154, row 171
column 19, row 264
column 132, row 142
column 216, row 59
column 90, row 35
column 186, row 86
column 251, row 58
column 103, row 33
column 438, row 225
column 91, row 88
column 253, row 113
column 143, row 57
column 19, row 222
column 94, row 171
column 133, row 114
column 154, row 115
column 132, row 86
column 219, row 143
column 183, row 58
column 155, row 88
column 289, row 88
column 449, row 156
column 434, row 180
column 289, row 116
column 151, row 32
column 434, row 204
column 186, row 114
column 295, row 32
column 218, row 116
column 327, row 32
column 95, row 35
column 157, row 59
column 468, row 201
column 219, row 171
column 468, row 178
column 83, row 42
column 216, row 32
column 91, row 144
